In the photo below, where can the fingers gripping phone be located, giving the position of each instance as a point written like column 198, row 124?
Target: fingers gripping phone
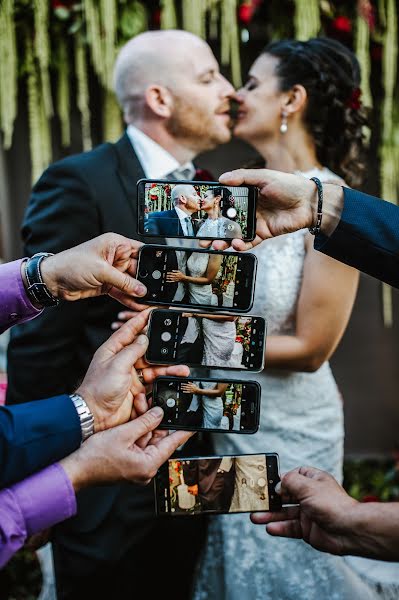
column 196, row 404
column 231, row 342
column 196, row 209
column 192, row 278
column 218, row 485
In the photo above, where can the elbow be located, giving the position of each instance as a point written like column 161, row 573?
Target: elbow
column 313, row 362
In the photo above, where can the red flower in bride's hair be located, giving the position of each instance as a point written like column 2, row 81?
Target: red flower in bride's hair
column 354, row 100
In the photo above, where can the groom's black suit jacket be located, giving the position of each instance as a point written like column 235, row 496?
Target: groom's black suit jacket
column 114, row 536
column 165, row 223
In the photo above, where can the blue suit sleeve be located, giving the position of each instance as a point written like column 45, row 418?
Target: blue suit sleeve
column 367, row 237
column 36, row 434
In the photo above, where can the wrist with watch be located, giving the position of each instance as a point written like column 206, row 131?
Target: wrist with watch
column 85, row 416
column 37, row 290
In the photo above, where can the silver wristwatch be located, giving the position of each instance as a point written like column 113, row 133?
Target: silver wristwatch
column 85, row 416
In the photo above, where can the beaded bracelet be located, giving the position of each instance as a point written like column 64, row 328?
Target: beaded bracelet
column 317, row 228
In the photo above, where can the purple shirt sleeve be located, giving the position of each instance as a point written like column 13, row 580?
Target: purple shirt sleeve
column 34, row 504
column 15, row 306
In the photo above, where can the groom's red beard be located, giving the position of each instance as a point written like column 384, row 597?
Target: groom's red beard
column 197, row 127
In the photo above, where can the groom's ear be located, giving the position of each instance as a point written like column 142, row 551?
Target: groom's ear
column 159, row 100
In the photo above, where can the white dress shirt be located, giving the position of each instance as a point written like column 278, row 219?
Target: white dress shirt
column 157, row 162
column 185, row 225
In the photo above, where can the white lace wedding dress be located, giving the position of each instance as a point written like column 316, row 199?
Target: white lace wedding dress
column 301, row 418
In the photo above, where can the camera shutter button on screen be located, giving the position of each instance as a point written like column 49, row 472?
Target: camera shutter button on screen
column 166, row 336
column 156, row 274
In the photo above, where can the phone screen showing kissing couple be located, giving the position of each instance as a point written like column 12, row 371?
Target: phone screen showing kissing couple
column 208, row 340
column 218, row 484
column 196, row 209
column 197, row 278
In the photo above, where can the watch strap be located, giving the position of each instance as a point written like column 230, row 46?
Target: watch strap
column 37, row 290
column 85, row 416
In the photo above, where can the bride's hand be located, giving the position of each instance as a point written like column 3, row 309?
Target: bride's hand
column 175, row 276
column 189, row 388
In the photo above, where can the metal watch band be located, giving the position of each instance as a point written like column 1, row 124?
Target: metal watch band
column 85, row 416
column 37, row 290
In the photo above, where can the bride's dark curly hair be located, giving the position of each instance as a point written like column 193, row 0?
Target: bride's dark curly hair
column 334, row 116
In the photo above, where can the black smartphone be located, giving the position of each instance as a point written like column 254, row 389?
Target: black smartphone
column 218, row 485
column 196, row 209
column 197, row 278
column 196, row 404
column 208, row 340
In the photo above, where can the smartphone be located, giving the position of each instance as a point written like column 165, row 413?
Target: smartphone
column 196, row 209
column 196, row 404
column 218, row 485
column 208, row 340
column 197, row 278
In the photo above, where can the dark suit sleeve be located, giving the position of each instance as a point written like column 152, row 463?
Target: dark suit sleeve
column 42, row 354
column 367, row 237
column 152, row 225
column 33, row 437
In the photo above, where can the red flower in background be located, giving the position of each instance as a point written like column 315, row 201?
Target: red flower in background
column 342, row 24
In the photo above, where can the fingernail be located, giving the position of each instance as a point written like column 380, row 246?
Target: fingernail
column 277, row 488
column 157, row 411
column 121, row 315
column 114, row 325
column 224, row 175
column 140, row 290
column 142, row 339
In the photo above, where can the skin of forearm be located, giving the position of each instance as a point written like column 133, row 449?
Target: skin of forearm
column 291, row 353
column 374, row 531
column 333, row 203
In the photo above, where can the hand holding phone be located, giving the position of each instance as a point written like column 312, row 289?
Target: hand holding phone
column 196, row 209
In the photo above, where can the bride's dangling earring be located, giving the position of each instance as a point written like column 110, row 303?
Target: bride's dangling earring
column 284, row 124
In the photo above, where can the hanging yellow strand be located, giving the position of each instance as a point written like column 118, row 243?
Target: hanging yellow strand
column 108, row 26
column 42, row 51
column 39, row 125
column 94, row 37
column 389, row 153
column 362, row 49
column 112, row 117
column 168, row 15
column 82, row 91
column 63, row 93
column 194, row 16
column 8, row 71
column 307, row 19
column 230, row 42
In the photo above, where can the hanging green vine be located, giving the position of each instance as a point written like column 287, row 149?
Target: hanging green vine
column 64, row 93
column 307, row 19
column 8, row 71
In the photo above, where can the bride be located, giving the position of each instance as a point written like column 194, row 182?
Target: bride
column 211, row 401
column 300, row 110
column 216, row 225
column 202, row 269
